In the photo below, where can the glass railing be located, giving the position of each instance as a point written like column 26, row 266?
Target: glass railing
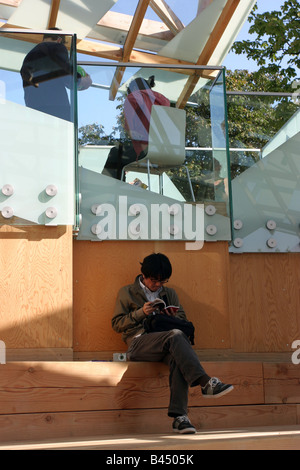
column 264, row 134
column 135, row 152
column 147, row 145
column 38, row 125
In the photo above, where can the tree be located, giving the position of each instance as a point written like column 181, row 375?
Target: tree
column 253, row 119
column 276, row 46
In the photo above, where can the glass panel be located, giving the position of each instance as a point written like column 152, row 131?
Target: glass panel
column 38, row 128
column 140, row 143
column 264, row 134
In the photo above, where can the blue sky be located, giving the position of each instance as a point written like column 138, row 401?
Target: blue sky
column 185, row 14
column 234, row 61
column 186, row 11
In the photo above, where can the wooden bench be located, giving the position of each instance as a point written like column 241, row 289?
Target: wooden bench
column 44, row 400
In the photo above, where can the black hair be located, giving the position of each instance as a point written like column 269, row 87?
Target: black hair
column 156, row 265
column 54, row 37
column 141, row 84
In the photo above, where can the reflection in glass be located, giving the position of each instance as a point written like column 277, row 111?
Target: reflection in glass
column 253, row 120
column 38, row 78
column 120, row 131
column 156, row 145
column 265, row 179
column 47, row 73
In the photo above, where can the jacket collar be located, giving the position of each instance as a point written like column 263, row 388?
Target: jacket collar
column 138, row 289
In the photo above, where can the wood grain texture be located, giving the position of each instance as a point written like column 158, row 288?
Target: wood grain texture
column 135, row 425
column 36, row 286
column 282, row 383
column 199, row 277
column 264, row 301
column 56, row 387
column 41, row 400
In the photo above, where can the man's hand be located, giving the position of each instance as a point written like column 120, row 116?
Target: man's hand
column 170, row 311
column 148, row 308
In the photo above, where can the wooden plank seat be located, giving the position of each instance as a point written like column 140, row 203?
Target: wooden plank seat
column 42, row 400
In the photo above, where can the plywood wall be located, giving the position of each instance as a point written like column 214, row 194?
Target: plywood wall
column 58, row 294
column 101, row 268
column 264, row 301
column 242, row 303
column 36, row 287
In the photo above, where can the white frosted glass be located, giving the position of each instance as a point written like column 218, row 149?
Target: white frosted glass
column 269, row 191
column 12, row 53
column 76, row 16
column 183, row 46
column 37, row 150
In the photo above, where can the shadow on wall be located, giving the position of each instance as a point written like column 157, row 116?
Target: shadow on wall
column 101, row 269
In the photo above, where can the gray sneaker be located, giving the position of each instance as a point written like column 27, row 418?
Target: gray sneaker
column 183, row 425
column 215, row 389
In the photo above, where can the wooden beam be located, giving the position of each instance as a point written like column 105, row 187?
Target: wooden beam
column 10, row 3
column 208, row 49
column 218, row 31
column 33, row 38
column 105, row 51
column 117, row 78
column 121, row 21
column 53, row 14
column 134, row 28
column 167, row 15
column 128, row 45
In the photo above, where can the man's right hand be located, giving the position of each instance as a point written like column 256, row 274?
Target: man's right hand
column 148, row 308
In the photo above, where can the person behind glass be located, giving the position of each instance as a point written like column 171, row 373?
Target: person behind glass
column 47, row 73
column 133, row 305
column 137, row 111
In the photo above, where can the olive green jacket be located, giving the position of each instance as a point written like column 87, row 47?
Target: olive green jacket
column 129, row 316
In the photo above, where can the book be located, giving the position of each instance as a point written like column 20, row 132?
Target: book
column 161, row 305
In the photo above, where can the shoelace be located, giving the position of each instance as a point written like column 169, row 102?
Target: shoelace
column 213, row 382
column 182, row 419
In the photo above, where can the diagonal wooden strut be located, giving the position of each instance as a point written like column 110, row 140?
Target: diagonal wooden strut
column 208, row 50
column 128, row 45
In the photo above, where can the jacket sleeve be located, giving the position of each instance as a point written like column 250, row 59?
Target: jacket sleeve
column 127, row 315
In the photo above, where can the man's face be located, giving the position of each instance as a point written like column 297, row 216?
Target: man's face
column 153, row 284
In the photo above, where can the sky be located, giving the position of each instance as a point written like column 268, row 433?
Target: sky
column 186, row 11
column 234, row 61
column 231, row 62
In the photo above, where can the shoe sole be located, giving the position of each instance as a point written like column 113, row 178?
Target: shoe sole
column 185, row 431
column 221, row 394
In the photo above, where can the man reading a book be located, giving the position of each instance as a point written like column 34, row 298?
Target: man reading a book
column 135, row 302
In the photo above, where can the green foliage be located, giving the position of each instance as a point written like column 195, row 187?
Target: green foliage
column 95, row 134
column 254, row 119
column 276, row 45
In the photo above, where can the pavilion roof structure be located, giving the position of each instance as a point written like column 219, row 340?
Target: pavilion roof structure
column 123, row 31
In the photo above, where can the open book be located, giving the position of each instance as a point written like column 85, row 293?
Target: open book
column 161, row 305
